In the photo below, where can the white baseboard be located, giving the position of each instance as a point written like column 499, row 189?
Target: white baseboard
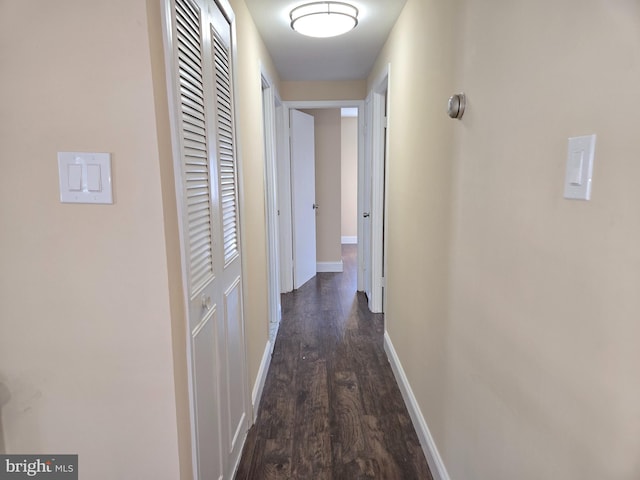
column 436, row 465
column 256, row 393
column 322, row 267
column 346, row 240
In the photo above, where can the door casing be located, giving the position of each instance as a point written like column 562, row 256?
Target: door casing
column 378, row 139
column 270, row 102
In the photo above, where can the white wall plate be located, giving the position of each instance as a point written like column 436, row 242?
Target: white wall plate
column 85, row 177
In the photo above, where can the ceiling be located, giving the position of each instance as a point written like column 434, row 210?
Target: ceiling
column 347, row 57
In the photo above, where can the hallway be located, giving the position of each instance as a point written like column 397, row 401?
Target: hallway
column 331, row 408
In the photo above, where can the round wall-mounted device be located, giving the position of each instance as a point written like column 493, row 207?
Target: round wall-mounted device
column 456, row 106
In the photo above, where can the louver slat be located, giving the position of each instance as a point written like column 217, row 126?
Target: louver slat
column 226, row 149
column 194, row 144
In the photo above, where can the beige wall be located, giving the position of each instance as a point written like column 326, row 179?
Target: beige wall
column 85, row 330
column 544, row 314
column 419, row 198
column 318, row 91
column 349, row 179
column 515, row 311
column 92, row 337
column 328, row 185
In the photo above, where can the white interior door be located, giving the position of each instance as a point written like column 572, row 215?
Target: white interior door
column 303, row 186
column 199, row 36
column 232, row 354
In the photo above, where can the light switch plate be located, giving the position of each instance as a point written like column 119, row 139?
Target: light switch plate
column 580, row 155
column 85, row 177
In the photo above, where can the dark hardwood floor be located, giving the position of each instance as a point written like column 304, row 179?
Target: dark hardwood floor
column 331, row 408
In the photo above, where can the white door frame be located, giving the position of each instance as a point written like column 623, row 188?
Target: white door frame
column 378, row 134
column 284, row 175
column 364, row 204
column 270, row 99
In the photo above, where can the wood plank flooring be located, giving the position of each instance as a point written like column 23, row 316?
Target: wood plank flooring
column 331, row 408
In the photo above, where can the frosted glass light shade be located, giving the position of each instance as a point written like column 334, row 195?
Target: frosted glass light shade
column 324, row 19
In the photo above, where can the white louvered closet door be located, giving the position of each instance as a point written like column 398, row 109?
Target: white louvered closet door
column 201, row 40
column 229, row 268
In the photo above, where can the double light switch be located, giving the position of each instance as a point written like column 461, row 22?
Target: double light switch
column 85, row 177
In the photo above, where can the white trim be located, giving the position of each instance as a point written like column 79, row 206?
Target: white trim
column 323, row 267
column 236, row 462
column 349, row 240
column 379, row 159
column 285, row 226
column 436, row 465
column 258, row 387
column 269, row 99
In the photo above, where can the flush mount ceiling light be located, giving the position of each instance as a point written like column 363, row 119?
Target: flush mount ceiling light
column 324, row 19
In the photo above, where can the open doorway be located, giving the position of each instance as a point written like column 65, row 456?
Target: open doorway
column 329, row 173
column 372, row 121
column 327, row 257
